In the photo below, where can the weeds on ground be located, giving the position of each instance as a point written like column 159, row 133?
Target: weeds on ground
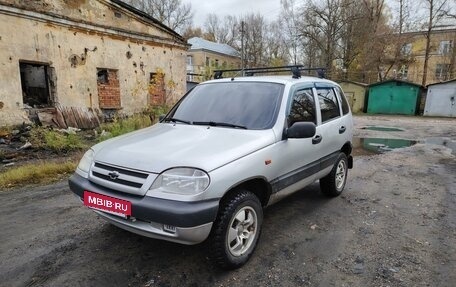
column 156, row 111
column 55, row 141
column 36, row 173
column 122, row 126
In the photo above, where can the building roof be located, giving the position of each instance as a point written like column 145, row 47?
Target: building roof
column 395, row 80
column 147, row 17
column 442, row 83
column 202, row 44
column 364, row 85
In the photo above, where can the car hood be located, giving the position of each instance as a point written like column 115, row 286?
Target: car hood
column 164, row 146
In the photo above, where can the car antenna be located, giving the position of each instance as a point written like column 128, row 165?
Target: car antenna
column 237, row 74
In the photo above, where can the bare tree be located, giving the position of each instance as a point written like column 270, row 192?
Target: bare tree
column 379, row 33
column 289, row 24
column 435, row 10
column 275, row 53
column 172, row 13
column 255, row 31
column 224, row 30
column 323, row 26
column 191, row 32
column 400, row 51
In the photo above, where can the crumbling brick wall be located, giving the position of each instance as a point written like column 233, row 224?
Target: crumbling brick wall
column 157, row 91
column 108, row 89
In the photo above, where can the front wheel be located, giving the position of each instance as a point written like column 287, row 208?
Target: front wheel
column 333, row 184
column 236, row 230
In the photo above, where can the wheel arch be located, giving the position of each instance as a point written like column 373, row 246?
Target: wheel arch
column 347, row 149
column 257, row 185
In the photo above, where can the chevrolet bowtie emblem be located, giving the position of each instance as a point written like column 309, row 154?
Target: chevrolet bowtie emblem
column 114, row 175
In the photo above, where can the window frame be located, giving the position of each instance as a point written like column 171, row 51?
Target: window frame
column 327, row 86
column 445, row 47
column 290, row 103
column 342, row 99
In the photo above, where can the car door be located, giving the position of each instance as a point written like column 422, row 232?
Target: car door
column 331, row 125
column 299, row 157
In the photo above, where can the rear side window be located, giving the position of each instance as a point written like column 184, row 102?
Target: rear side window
column 329, row 105
column 302, row 107
column 343, row 100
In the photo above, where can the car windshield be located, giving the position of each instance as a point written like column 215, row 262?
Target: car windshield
column 247, row 105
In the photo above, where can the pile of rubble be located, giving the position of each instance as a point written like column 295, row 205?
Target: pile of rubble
column 13, row 145
column 16, row 145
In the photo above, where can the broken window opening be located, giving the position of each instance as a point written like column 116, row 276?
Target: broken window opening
column 102, row 76
column 35, row 82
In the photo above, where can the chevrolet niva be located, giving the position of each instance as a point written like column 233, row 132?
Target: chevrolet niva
column 228, row 149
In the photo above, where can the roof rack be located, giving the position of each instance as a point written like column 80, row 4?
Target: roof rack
column 295, row 70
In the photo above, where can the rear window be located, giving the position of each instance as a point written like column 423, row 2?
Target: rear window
column 329, row 105
column 254, row 105
column 345, row 108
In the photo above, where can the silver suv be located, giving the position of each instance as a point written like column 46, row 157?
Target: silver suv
column 225, row 151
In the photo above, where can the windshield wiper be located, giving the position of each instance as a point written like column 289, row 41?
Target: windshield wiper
column 176, row 120
column 220, row 124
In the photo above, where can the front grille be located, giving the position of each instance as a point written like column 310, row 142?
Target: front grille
column 118, row 180
column 121, row 170
column 121, row 179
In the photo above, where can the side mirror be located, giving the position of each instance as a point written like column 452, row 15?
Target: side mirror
column 161, row 117
column 301, row 130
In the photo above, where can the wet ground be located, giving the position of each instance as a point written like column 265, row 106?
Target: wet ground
column 394, row 225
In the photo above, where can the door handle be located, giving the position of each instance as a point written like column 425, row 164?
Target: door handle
column 317, row 139
column 342, row 129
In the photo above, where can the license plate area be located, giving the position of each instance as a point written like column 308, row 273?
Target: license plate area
column 112, row 205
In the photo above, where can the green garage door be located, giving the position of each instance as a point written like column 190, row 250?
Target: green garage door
column 393, row 98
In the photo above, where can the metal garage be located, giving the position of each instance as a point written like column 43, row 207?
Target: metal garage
column 394, row 97
column 441, row 99
column 355, row 93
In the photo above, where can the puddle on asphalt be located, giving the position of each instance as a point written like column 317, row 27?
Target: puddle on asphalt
column 382, row 129
column 446, row 142
column 370, row 146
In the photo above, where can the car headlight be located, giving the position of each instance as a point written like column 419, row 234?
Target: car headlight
column 86, row 161
column 187, row 181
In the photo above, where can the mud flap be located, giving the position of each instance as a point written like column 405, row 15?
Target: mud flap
column 350, row 162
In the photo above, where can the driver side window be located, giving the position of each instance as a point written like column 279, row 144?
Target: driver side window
column 302, row 107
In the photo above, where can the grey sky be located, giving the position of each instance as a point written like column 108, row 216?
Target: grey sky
column 201, row 8
column 270, row 9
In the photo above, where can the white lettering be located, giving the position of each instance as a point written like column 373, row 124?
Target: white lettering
column 108, row 203
column 124, row 207
column 92, row 200
column 99, row 201
column 117, row 205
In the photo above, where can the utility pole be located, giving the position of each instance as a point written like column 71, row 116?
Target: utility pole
column 242, row 47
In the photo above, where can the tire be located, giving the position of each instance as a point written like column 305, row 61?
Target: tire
column 236, row 230
column 333, row 184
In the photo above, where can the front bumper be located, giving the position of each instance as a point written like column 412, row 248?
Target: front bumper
column 191, row 221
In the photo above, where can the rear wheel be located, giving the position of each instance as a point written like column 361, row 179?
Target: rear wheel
column 333, row 184
column 236, row 230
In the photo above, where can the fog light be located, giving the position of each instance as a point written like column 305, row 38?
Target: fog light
column 169, row 228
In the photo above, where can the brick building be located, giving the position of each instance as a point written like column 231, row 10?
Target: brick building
column 442, row 58
column 85, row 56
